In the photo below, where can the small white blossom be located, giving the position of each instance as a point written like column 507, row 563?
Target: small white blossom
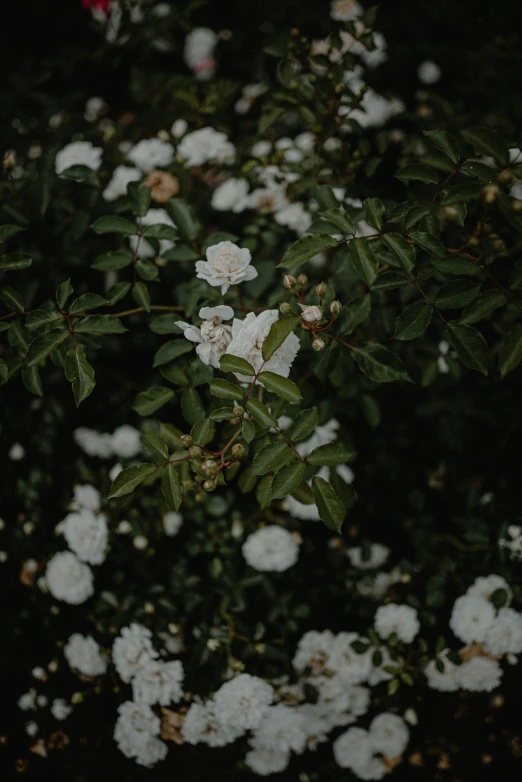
column 282, row 730
column 83, row 654
column 345, row 10
column 198, row 52
column 69, row 579
column 261, row 148
column 389, row 734
column 158, row 682
column 231, row 196
column 206, row 145
column 294, row 216
column 353, row 749
column 86, row 534
column 213, row 337
column 265, row 762
column 399, row 619
column 172, row 522
column 314, row 651
column 151, row 153
column 248, row 336
column 202, row 727
column 311, row 313
column 446, row 680
column 479, row 674
column 351, row 667
column 125, row 442
column 428, row 72
column 16, row 452
column 60, row 709
column 505, row 633
column 136, row 731
column 226, row 265
column 94, row 108
column 121, row 177
column 31, row 728
column 179, row 128
column 93, row 443
column 131, row 650
column 271, row 198
column 86, row 496
column 78, row 153
column 243, row 701
column 271, row 548
column 27, row 701
column 484, row 586
column 471, row 618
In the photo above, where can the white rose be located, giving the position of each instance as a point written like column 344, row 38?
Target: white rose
column 231, row 195
column 226, row 265
column 121, row 177
column 151, row 153
column 204, row 146
column 270, row 548
column 78, row 153
column 213, row 337
column 69, row 579
column 248, row 336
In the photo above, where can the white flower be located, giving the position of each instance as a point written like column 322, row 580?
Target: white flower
column 83, row 654
column 344, row 10
column 172, row 522
column 206, row 145
column 378, row 554
column 479, row 674
column 132, row 649
column 323, row 435
column 212, row 336
column 60, row 709
column 125, row 442
column 504, row 636
column 389, row 734
column 445, row 681
column 151, row 153
column 281, row 730
column 121, row 177
column 371, row 58
column 399, row 619
column 86, row 496
column 226, row 265
column 248, row 336
column 270, row 548
column 201, row 726
column 305, row 141
column 78, row 153
column 94, row 108
column 27, row 701
column 484, row 586
column 353, row 749
column 179, row 128
column 16, row 452
column 428, row 72
column 271, row 198
column 314, row 651
column 93, row 443
column 231, row 195
column 300, row 510
column 142, row 246
column 311, row 313
column 198, row 52
column 265, row 762
column 471, row 618
column 377, row 673
column 158, row 682
column 135, row 732
column 115, row 471
column 243, row 701
column 31, row 728
column 261, row 148
column 69, row 579
column 351, row 667
column 294, row 216
column 86, row 535
column 337, row 704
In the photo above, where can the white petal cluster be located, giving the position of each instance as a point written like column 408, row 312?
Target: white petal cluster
column 86, row 496
column 124, row 442
column 231, row 196
column 78, row 153
column 121, row 176
column 265, row 762
column 60, row 709
column 446, row 680
column 142, row 247
column 27, row 701
column 295, row 217
column 158, row 682
column 86, row 534
column 282, row 730
column 513, row 539
column 314, row 651
column 357, row 748
column 484, row 586
column 345, row 10
column 202, row 727
column 504, row 635
column 226, row 265
column 136, row 731
column 389, row 734
column 377, row 586
column 471, row 618
column 399, row 619
column 132, row 649
column 83, row 655
column 350, row 666
column 172, row 522
column 198, row 52
column 151, row 153
column 428, row 72
column 271, row 548
column 69, row 579
column 212, row 336
column 248, row 336
column 479, row 674
column 206, row 145
column 243, row 702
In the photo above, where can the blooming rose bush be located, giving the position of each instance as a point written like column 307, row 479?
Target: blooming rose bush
column 260, row 347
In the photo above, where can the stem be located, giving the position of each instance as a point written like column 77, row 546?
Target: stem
column 153, row 307
column 11, row 315
column 241, row 302
column 429, row 301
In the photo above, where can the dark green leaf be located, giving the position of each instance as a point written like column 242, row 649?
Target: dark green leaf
column 128, row 479
column 31, row 380
column 192, row 406
column 484, row 174
column 389, row 281
column 429, row 243
column 153, row 443
column 222, row 414
column 418, row 173
column 225, row 390
column 114, row 224
column 43, row 345
column 264, row 491
column 165, row 324
column 117, row 292
column 279, row 331
column 6, row 231
column 89, row 301
column 248, row 431
column 175, row 374
column 79, row 372
column 12, row 298
column 281, row 386
column 81, row 173
column 457, row 294
column 287, row 480
column 268, row 117
column 456, row 265
column 413, row 321
column 112, row 261
column 260, row 413
column 99, row 324
column 272, row 457
column 363, row 260
column 303, row 249
column 355, row 312
column 140, row 294
column 379, row 363
column 147, row 402
column 171, row 485
column 340, row 219
column 171, row 350
column 182, row 216
column 303, row 425
column 470, row 345
column 147, row 270
column 247, row 481
column 405, row 252
column 374, row 210
column 139, row 198
column 445, row 143
column 486, row 142
column 331, row 510
column 203, row 431
column 14, row 261
column 160, row 231
column 330, row 454
column 181, row 252
column 38, row 318
column 63, row 291
column 229, row 363
column 482, row 307
column 4, row 370
column 510, row 354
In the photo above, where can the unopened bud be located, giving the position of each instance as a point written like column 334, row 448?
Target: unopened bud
column 238, row 450
column 450, row 213
column 335, row 308
column 302, row 280
column 199, row 496
column 311, row 315
column 238, row 410
column 499, row 245
column 289, row 281
column 195, row 452
column 490, row 193
column 188, row 485
column 186, row 441
column 321, row 290
column 318, row 344
column 209, row 485
column 285, row 308
column 516, row 205
column 505, row 176
column 209, row 466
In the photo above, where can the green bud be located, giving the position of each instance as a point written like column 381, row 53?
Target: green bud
column 289, row 281
column 238, row 450
column 209, row 466
column 321, row 290
column 318, row 344
column 188, row 485
column 209, row 485
column 505, row 176
column 335, row 307
column 238, row 410
column 285, row 308
column 195, row 452
column 186, row 441
column 302, row 280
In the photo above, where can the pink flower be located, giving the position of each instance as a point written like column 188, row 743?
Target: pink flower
column 98, row 5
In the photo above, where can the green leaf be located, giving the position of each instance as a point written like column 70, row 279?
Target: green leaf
column 160, row 231
column 486, row 142
column 79, row 372
column 181, row 252
column 140, row 294
column 268, row 117
column 303, row 249
column 175, row 373
column 259, row 412
column 279, row 331
column 114, row 225
column 117, row 291
column 222, row 414
column 281, row 386
column 38, row 318
column 510, row 354
column 460, row 194
column 229, row 363
column 330, row 454
column 31, row 380
column 303, row 425
column 414, row 216
column 418, row 173
column 192, row 406
column 272, row 457
column 171, row 486
column 128, row 479
column 203, row 431
column 457, row 294
column 287, row 480
column 153, row 443
column 171, row 350
column 17, row 338
column 331, row 510
column 89, row 301
column 63, row 291
column 446, row 143
column 165, row 324
column 43, row 345
column 225, row 390
column 6, row 231
column 248, row 431
column 264, row 491
column 363, row 260
column 112, row 261
column 147, row 402
column 484, row 174
column 147, row 270
column 99, row 324
column 374, row 211
column 355, row 312
column 4, row 371
column 413, row 321
column 182, row 216
column 456, row 265
column 429, row 243
column 170, row 435
column 81, row 173
column 379, row 363
column 470, row 345
column 12, row 298
column 247, row 481
column 139, row 198
column 405, row 252
column 14, row 261
column 482, row 307
column 340, row 219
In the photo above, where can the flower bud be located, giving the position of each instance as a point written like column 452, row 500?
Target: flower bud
column 199, row 496
column 311, row 315
column 302, row 280
column 186, row 441
column 238, row 410
column 188, row 485
column 516, row 205
column 335, row 308
column 450, row 213
column 490, row 193
column 209, row 466
column 209, row 485
column 499, row 245
column 321, row 290
column 318, row 344
column 289, row 281
column 195, row 452
column 285, row 308
column 238, row 450
column 505, row 176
